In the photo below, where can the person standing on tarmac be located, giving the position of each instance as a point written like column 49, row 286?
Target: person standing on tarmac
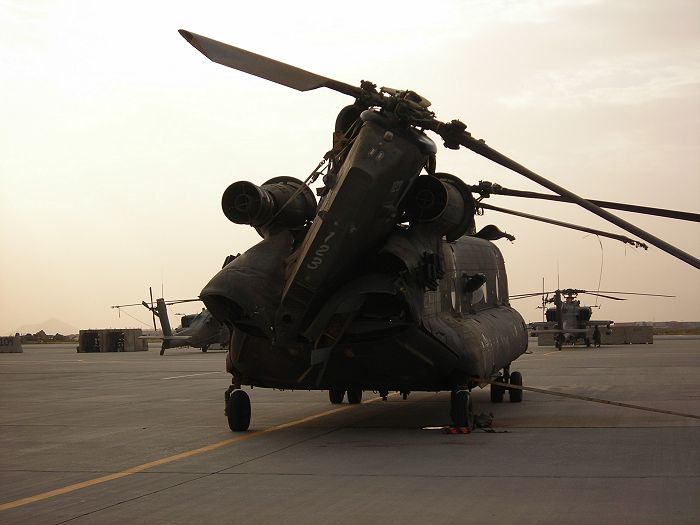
column 596, row 337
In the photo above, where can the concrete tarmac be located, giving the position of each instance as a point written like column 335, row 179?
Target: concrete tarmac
column 142, row 439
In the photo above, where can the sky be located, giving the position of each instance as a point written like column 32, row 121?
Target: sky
column 118, row 138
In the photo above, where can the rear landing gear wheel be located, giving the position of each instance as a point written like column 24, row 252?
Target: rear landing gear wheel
column 515, row 394
column 461, row 409
column 336, row 395
column 355, row 396
column 205, row 348
column 497, row 391
column 238, row 411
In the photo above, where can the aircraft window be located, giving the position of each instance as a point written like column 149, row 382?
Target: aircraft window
column 480, row 296
column 473, row 282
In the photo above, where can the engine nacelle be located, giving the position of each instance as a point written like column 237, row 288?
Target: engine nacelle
column 285, row 201
column 443, row 201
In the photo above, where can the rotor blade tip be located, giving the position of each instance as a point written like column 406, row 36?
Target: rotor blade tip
column 185, row 34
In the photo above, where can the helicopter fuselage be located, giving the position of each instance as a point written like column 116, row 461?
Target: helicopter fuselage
column 384, row 285
column 461, row 336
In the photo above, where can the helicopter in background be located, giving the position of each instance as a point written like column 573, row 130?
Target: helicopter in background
column 384, row 284
column 199, row 330
column 568, row 320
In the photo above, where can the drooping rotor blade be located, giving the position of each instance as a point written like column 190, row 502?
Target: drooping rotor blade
column 633, row 293
column 523, row 296
column 125, row 305
column 646, row 210
column 606, row 296
column 263, row 67
column 577, row 291
column 453, row 133
column 621, row 238
column 178, row 301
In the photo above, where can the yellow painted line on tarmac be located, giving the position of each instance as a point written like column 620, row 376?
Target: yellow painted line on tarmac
column 170, row 459
column 193, row 375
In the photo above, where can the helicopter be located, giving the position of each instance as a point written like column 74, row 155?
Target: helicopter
column 384, row 284
column 568, row 320
column 199, row 330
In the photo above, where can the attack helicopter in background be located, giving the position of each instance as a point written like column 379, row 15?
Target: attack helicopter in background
column 568, row 320
column 384, row 284
column 199, row 330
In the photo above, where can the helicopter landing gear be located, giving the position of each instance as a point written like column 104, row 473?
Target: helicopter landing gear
column 557, row 342
column 355, row 396
column 336, row 395
column 461, row 409
column 237, row 409
column 205, row 348
column 162, row 348
column 498, row 391
column 515, row 394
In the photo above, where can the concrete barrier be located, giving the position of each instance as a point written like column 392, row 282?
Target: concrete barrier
column 11, row 344
column 112, row 340
column 617, row 335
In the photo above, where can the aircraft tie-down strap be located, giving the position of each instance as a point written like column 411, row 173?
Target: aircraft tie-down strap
column 584, row 398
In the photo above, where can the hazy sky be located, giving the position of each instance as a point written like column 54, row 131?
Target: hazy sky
column 118, row 138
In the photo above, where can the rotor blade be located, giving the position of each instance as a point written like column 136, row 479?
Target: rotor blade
column 621, row 238
column 646, row 210
column 526, row 295
column 453, row 133
column 125, row 305
column 634, row 293
column 263, row 67
column 606, row 296
column 178, row 301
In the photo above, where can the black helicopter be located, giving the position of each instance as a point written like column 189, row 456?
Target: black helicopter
column 385, row 283
column 200, row 330
column 568, row 320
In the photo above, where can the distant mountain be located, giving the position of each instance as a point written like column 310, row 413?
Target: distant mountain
column 50, row 326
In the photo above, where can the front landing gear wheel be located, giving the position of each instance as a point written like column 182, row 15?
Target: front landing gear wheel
column 238, row 411
column 497, row 391
column 205, row 348
column 355, row 396
column 336, row 395
column 461, row 409
column 515, row 394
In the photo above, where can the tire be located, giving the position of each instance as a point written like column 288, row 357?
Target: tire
column 515, row 394
column 497, row 392
column 238, row 411
column 355, row 396
column 336, row 395
column 205, row 348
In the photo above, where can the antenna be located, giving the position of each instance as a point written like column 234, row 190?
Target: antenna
column 558, row 287
column 543, row 316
